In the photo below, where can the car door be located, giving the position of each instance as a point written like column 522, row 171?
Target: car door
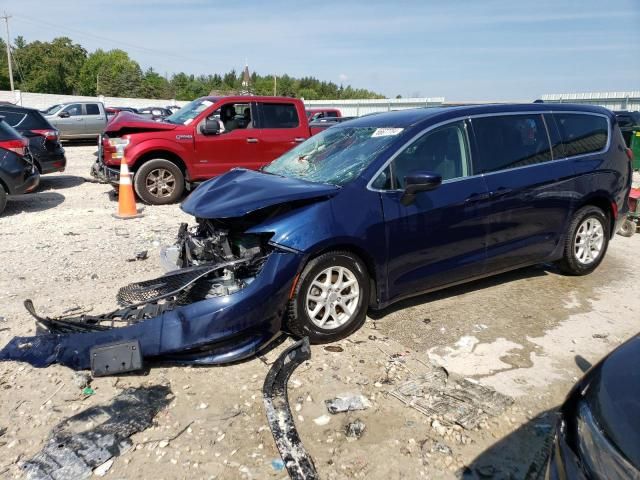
column 94, row 119
column 439, row 239
column 69, row 120
column 236, row 146
column 280, row 129
column 531, row 193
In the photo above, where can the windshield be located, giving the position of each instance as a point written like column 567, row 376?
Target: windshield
column 191, row 110
column 53, row 109
column 335, row 156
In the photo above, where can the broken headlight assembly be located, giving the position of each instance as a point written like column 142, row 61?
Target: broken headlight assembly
column 208, row 260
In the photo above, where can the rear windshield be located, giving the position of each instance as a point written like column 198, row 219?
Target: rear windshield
column 7, row 132
column 582, row 133
column 25, row 120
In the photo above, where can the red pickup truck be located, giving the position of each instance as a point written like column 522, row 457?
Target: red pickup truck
column 205, row 138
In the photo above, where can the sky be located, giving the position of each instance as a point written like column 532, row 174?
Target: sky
column 476, row 50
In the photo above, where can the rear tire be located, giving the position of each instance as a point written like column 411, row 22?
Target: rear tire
column 627, row 229
column 3, row 198
column 586, row 241
column 159, row 182
column 330, row 299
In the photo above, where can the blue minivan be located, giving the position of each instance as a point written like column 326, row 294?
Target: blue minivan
column 369, row 212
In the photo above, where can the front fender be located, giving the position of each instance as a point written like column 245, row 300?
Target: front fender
column 136, row 151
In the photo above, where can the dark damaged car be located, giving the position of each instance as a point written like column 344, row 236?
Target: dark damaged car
column 362, row 215
column 598, row 433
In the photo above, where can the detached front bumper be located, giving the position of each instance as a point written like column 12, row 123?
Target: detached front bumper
column 213, row 331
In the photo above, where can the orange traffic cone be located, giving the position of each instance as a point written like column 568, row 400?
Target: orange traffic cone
column 126, row 200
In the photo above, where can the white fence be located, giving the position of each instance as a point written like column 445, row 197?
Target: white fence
column 355, row 108
column 44, row 100
column 611, row 100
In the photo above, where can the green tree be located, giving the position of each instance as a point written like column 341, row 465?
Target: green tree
column 50, row 67
column 154, row 85
column 119, row 76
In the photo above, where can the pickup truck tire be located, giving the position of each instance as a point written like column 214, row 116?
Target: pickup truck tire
column 3, row 198
column 159, row 182
column 330, row 298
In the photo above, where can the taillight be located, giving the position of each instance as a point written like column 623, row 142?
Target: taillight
column 18, row 146
column 629, row 154
column 48, row 134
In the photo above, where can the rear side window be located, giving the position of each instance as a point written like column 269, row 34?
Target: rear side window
column 92, row 109
column 25, row 120
column 582, row 133
column 510, row 141
column 279, row 115
column 7, row 132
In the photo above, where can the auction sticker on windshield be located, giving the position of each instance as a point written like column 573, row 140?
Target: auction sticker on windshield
column 386, row 132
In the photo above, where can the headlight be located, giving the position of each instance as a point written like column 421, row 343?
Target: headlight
column 600, row 457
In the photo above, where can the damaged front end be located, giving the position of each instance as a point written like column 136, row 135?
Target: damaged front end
column 223, row 300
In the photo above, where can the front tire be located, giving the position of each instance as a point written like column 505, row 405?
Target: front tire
column 330, row 299
column 159, row 182
column 586, row 243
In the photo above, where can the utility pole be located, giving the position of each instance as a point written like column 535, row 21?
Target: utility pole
column 6, row 21
column 275, row 85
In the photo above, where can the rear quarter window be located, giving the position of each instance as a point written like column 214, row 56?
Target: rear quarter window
column 582, row 133
column 279, row 115
column 27, row 120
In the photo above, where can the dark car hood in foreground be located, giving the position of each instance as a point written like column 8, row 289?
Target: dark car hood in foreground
column 241, row 191
column 614, row 397
column 133, row 122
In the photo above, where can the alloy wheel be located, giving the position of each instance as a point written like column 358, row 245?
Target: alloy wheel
column 332, row 298
column 588, row 241
column 160, row 182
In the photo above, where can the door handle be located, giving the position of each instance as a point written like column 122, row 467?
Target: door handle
column 252, row 140
column 477, row 197
column 299, row 139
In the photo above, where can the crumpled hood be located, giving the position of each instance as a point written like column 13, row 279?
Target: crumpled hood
column 242, row 191
column 131, row 121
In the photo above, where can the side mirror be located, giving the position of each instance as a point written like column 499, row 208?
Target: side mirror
column 210, row 127
column 64, row 114
column 419, row 182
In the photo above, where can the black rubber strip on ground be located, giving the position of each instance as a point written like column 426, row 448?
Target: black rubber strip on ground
column 298, row 462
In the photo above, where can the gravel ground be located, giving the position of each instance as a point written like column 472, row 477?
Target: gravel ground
column 519, row 333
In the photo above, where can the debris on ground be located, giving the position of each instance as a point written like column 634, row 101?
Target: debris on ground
column 322, row 420
column 333, row 348
column 72, row 451
column 355, row 429
column 139, row 256
column 347, row 402
column 88, row 391
column 450, row 401
column 81, row 379
column 298, row 462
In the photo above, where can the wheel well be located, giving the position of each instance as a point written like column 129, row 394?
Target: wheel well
column 605, row 205
column 4, row 185
column 362, row 255
column 164, row 154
